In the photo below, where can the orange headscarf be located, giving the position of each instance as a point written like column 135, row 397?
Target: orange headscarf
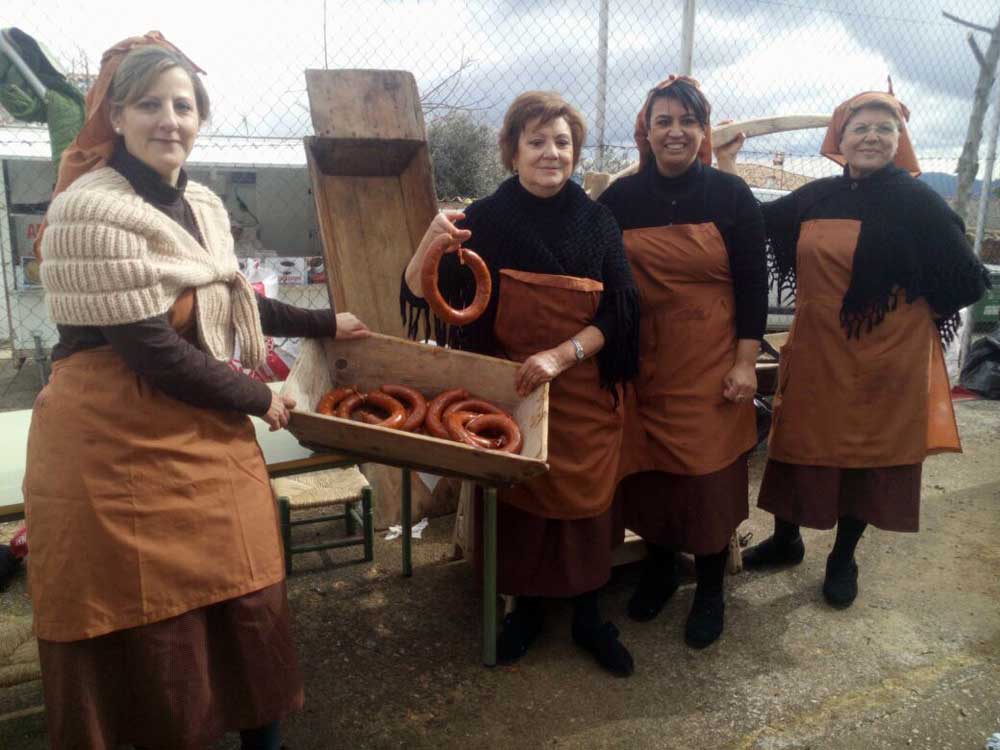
column 905, row 157
column 641, row 133
column 94, row 144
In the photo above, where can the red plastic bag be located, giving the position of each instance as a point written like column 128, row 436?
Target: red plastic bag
column 19, row 543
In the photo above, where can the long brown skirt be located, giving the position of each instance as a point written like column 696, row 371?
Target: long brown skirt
column 179, row 683
column 547, row 556
column 694, row 514
column 816, row 496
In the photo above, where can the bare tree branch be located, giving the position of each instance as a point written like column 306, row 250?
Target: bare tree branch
column 963, row 22
column 976, row 51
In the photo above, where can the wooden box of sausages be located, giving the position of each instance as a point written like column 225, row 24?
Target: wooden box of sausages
column 381, row 360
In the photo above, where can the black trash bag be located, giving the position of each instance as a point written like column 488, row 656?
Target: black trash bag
column 981, row 371
column 9, row 566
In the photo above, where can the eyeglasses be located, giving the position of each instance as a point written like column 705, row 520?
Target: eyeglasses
column 883, row 129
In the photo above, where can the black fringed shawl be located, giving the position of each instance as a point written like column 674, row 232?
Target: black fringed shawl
column 910, row 240
column 569, row 235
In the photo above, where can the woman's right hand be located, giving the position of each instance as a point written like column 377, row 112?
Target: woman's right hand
column 278, row 413
column 441, row 230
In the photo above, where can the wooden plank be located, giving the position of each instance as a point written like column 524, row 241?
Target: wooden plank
column 381, row 104
column 363, row 157
column 378, row 360
column 416, row 185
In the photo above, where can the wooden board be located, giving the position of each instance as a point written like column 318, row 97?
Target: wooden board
column 379, row 360
column 372, row 184
column 758, row 126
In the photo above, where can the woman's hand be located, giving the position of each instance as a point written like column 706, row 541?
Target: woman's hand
column 277, row 414
column 740, row 383
column 441, row 230
column 725, row 153
column 349, row 326
column 538, row 369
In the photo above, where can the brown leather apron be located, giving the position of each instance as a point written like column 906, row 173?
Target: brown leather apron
column 677, row 420
column 140, row 507
column 879, row 400
column 538, row 312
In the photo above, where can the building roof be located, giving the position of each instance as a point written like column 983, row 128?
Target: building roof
column 24, row 142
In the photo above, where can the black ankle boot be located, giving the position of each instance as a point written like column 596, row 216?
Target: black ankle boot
column 520, row 628
column 773, row 552
column 603, row 644
column 706, row 620
column 657, row 583
column 840, row 587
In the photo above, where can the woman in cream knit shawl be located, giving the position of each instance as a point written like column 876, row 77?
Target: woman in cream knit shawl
column 157, row 576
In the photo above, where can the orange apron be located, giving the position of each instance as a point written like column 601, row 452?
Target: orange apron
column 538, row 312
column 879, row 400
column 677, row 420
column 139, row 507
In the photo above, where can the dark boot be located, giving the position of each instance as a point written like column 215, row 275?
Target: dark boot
column 840, row 587
column 707, row 617
column 706, row 620
column 784, row 547
column 599, row 639
column 658, row 581
column 520, row 628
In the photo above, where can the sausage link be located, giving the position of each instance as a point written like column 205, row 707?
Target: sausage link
column 429, row 283
column 328, row 404
column 413, row 400
column 433, row 421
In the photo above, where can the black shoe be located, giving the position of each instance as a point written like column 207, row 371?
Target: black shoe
column 655, row 588
column 772, row 553
column 705, row 621
column 840, row 587
column 603, row 645
column 519, row 631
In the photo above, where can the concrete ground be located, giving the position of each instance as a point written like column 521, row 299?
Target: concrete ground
column 915, row 663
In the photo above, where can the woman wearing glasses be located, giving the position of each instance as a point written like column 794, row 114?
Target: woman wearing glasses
column 880, row 267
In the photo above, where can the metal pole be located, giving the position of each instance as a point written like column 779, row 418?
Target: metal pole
column 984, row 204
column 687, row 38
column 602, row 82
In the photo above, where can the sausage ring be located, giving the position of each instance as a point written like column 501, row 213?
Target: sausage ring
column 383, row 401
column 433, row 420
column 468, row 428
column 475, row 405
column 413, row 400
column 328, row 404
column 429, row 283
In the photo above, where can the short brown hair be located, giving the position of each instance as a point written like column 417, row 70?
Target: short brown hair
column 544, row 106
column 141, row 67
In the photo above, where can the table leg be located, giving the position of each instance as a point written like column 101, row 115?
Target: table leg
column 490, row 576
column 406, row 521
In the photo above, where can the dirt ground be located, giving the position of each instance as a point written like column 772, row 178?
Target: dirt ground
column 915, row 663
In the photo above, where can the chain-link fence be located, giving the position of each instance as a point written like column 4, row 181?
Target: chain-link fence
column 754, row 58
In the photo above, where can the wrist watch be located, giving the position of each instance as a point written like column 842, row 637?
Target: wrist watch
column 578, row 350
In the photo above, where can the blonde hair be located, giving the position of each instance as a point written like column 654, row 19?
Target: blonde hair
column 140, row 69
column 544, row 106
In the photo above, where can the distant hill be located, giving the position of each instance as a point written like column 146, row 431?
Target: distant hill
column 947, row 184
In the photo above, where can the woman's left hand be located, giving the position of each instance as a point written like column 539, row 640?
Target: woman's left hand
column 349, row 326
column 538, row 369
column 740, row 383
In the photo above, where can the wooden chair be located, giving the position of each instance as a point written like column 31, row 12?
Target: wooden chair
column 346, row 487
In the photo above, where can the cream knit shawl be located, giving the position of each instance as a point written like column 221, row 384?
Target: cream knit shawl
column 111, row 258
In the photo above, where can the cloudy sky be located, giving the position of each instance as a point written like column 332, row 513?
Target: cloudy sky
column 754, row 57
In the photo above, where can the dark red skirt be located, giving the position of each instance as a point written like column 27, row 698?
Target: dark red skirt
column 887, row 497
column 178, row 683
column 547, row 556
column 694, row 514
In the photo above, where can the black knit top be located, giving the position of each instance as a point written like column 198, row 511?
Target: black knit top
column 700, row 195
column 154, row 350
column 567, row 234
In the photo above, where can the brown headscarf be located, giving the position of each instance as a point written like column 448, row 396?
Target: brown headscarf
column 95, row 142
column 641, row 133
column 905, row 157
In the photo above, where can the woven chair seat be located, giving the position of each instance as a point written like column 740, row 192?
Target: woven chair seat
column 18, row 652
column 321, row 488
